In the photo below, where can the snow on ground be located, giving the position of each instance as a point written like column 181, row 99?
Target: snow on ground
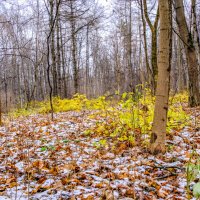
column 41, row 159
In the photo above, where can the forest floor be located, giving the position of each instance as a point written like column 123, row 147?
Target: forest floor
column 44, row 159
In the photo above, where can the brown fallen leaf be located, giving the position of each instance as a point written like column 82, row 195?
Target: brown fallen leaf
column 109, row 175
column 10, row 180
column 161, row 193
column 40, row 188
column 109, row 195
column 122, row 175
column 65, row 180
column 54, row 171
column 39, row 164
column 82, row 176
column 42, row 180
column 2, row 188
column 155, row 185
column 72, row 166
column 58, row 185
column 90, row 197
column 121, row 148
column 130, row 193
column 99, row 185
column 2, row 181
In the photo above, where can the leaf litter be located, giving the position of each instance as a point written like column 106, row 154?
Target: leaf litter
column 41, row 159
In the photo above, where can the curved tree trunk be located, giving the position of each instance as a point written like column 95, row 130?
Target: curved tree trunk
column 162, row 92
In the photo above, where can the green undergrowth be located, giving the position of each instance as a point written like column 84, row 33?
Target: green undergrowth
column 193, row 176
column 129, row 118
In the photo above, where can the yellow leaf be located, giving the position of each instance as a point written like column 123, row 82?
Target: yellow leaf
column 90, row 197
column 99, row 185
column 13, row 184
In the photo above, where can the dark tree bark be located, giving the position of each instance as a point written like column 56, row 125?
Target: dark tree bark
column 186, row 37
column 154, row 29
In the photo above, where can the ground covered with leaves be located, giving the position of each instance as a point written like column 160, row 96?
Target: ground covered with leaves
column 99, row 150
column 70, row 158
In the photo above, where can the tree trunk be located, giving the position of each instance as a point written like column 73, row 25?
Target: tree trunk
column 154, row 58
column 87, row 62
column 74, row 47
column 0, row 113
column 64, row 64
column 149, row 71
column 162, row 92
column 186, row 37
column 196, row 32
column 58, row 55
column 130, row 64
column 53, row 55
column 153, row 27
column 195, row 29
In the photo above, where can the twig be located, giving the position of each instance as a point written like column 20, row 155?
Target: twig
column 166, row 176
column 180, row 37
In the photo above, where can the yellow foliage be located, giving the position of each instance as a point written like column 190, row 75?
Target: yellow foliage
column 125, row 118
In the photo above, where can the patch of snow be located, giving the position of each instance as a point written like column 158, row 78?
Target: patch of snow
column 185, row 134
column 90, row 150
column 20, row 166
column 182, row 183
column 77, row 192
column 174, row 164
column 48, row 182
column 178, row 139
column 4, row 198
column 97, row 178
